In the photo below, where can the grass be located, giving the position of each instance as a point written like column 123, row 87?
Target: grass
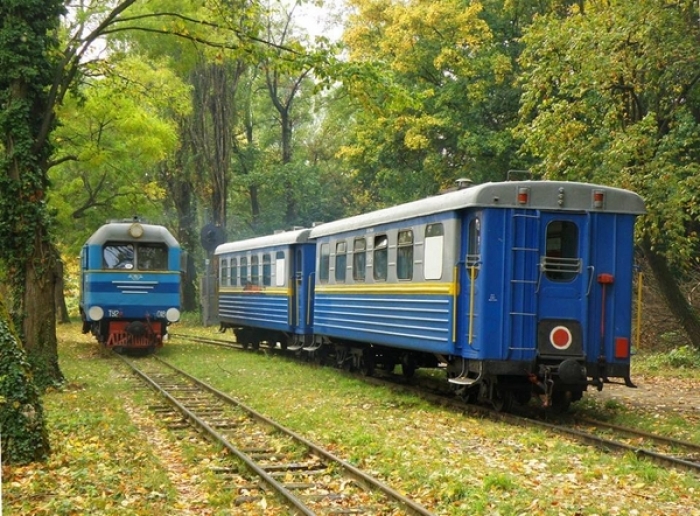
column 451, row 463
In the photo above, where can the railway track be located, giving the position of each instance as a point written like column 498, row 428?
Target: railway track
column 306, row 478
column 666, row 451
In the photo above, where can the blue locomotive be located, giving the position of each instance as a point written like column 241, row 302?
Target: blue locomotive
column 515, row 289
column 130, row 285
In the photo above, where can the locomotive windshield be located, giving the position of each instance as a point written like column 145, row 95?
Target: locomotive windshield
column 145, row 257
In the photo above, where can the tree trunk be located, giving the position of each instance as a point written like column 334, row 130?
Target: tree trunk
column 59, row 296
column 677, row 302
column 38, row 314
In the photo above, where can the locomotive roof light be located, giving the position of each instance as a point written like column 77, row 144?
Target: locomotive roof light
column 598, row 198
column 172, row 315
column 96, row 313
column 560, row 196
column 523, row 195
column 136, row 230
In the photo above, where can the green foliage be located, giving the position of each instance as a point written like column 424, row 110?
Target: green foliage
column 682, row 357
column 115, row 131
column 27, row 56
column 610, row 95
column 22, row 429
column 437, row 96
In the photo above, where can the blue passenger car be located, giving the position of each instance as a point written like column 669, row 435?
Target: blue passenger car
column 130, row 284
column 516, row 289
column 265, row 287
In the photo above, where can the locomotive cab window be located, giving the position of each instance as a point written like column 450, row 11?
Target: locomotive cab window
column 381, row 257
column 359, row 259
column 152, row 257
column 404, row 255
column 118, row 256
column 561, row 261
column 433, row 249
column 341, row 260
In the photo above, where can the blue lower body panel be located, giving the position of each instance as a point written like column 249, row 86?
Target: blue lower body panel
column 421, row 323
column 255, row 309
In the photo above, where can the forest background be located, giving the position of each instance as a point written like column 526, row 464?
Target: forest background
column 238, row 115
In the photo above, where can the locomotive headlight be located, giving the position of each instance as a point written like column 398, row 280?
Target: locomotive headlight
column 96, row 313
column 172, row 315
column 136, row 230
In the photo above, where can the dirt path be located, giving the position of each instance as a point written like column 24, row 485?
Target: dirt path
column 655, row 393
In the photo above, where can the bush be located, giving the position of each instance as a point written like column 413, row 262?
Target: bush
column 681, row 357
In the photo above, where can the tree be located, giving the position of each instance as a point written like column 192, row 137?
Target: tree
column 28, row 58
column 612, row 95
column 438, row 102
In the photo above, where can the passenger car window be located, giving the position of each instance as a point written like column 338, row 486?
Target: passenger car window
column 433, row 249
column 404, row 255
column 381, row 257
column 234, row 272
column 561, row 261
column 280, row 269
column 254, row 270
column 223, row 272
column 267, row 270
column 341, row 260
column 359, row 259
column 244, row 271
column 325, row 262
column 473, row 258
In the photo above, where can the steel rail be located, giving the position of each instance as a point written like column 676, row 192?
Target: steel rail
column 406, row 503
column 200, row 423
column 355, row 472
column 640, row 433
column 586, row 437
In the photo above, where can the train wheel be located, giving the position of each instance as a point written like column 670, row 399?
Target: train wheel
column 523, row 396
column 408, row 366
column 367, row 364
column 502, row 400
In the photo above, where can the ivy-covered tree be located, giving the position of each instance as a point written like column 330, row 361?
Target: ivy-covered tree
column 29, row 56
column 22, row 426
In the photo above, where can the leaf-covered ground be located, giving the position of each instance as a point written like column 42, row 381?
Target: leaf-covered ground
column 112, row 455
